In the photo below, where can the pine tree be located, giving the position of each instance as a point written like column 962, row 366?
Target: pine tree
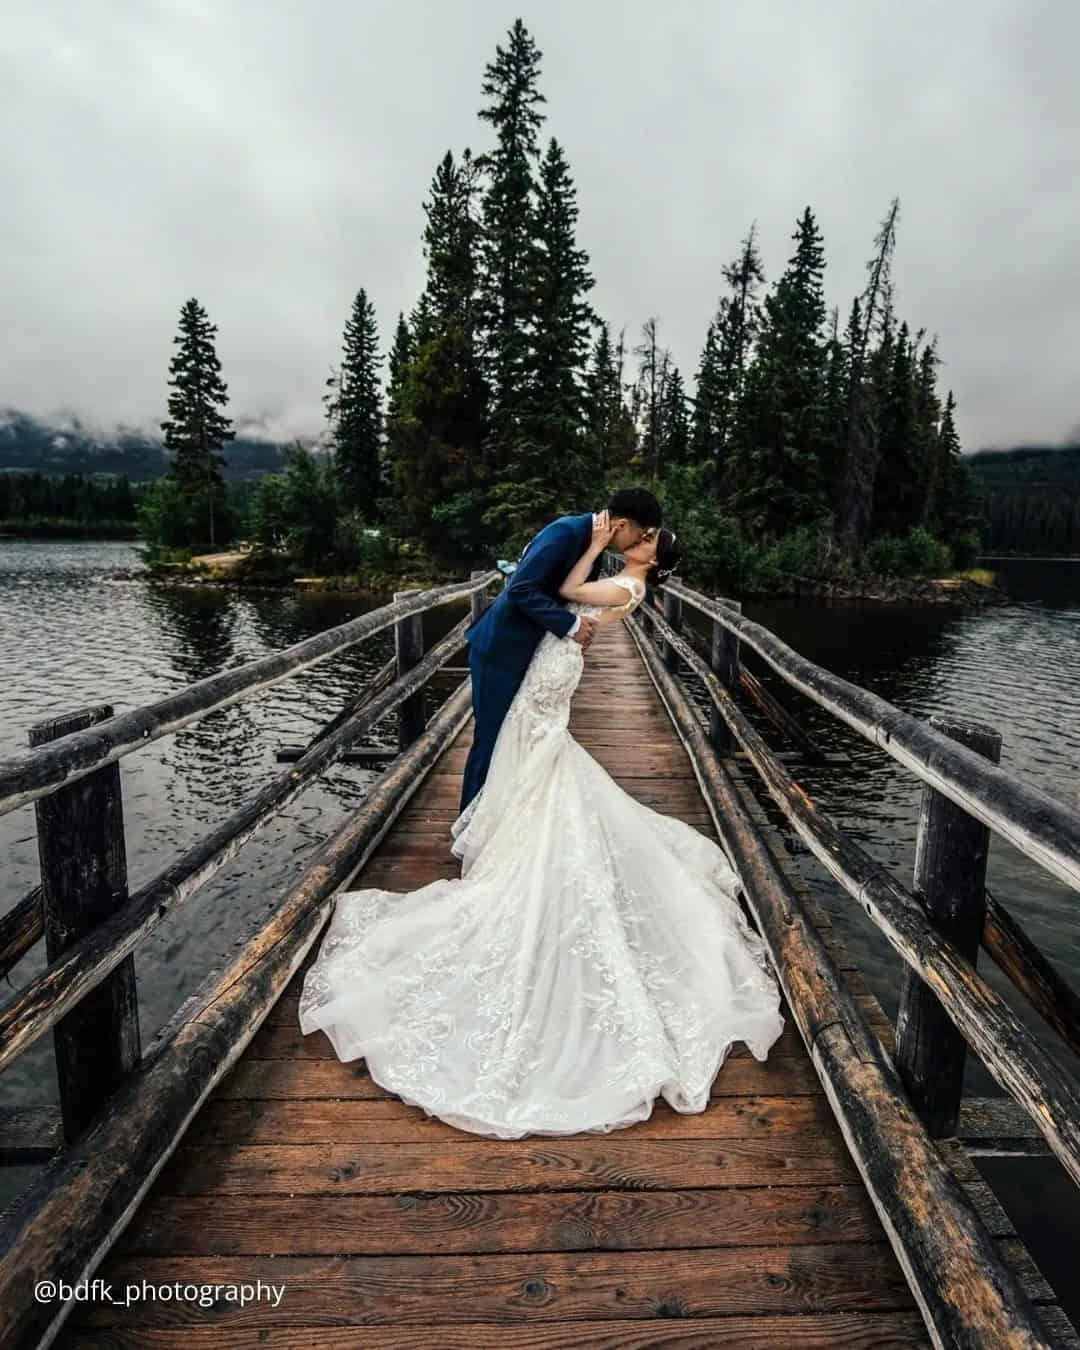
column 837, row 393
column 961, row 509
column 675, row 421
column 435, row 434
column 777, row 468
column 508, row 250
column 650, row 393
column 898, row 489
column 354, row 412
column 195, row 430
column 401, row 353
column 927, row 421
column 609, row 426
column 421, row 320
column 451, row 244
column 704, row 432
column 859, row 456
column 723, row 361
column 561, row 323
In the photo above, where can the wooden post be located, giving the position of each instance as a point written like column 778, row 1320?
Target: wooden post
column 408, row 651
column 950, row 879
column 724, row 661
column 479, row 600
column 80, row 831
column 671, row 608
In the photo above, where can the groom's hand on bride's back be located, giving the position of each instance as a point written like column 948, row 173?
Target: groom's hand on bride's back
column 585, row 630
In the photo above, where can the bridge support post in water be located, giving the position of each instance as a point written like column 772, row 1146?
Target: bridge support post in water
column 80, row 831
column 724, row 660
column 408, row 652
column 950, row 879
column 672, row 611
column 479, row 600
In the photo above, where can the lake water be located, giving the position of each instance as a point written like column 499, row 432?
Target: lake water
column 72, row 636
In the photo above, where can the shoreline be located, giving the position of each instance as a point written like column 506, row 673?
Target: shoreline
column 237, row 570
column 957, row 591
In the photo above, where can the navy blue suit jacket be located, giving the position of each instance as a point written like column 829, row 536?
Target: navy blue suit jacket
column 509, row 631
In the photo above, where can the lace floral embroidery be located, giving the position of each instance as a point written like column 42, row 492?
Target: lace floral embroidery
column 592, row 957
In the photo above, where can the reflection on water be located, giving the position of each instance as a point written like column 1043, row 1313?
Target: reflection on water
column 71, row 636
column 1016, row 667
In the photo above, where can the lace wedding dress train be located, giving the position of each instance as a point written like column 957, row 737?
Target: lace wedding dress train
column 592, row 956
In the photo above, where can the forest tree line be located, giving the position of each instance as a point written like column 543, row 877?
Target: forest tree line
column 69, row 504
column 503, row 398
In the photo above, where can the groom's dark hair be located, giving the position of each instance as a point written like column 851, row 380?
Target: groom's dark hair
column 636, row 504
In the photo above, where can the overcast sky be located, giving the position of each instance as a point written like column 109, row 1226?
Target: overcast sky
column 271, row 158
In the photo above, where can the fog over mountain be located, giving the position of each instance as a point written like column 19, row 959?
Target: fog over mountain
column 272, row 159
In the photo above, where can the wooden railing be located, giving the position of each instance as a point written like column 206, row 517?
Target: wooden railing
column 123, row 1110
column 890, row 1111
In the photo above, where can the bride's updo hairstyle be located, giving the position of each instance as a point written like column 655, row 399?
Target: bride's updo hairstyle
column 668, row 557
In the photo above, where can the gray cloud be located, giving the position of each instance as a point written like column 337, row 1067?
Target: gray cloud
column 271, row 159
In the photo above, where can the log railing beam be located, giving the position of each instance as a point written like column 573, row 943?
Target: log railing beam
column 40, row 1003
column 26, row 777
column 1040, row 826
column 966, row 1293
column 1005, row 1044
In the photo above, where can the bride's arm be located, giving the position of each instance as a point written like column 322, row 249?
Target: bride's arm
column 575, row 587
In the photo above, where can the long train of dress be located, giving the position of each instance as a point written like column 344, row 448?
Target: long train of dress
column 592, row 957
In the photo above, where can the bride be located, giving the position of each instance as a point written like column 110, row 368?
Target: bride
column 592, row 956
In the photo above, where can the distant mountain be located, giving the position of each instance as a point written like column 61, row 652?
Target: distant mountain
column 1032, row 499
column 29, row 445
column 1035, row 469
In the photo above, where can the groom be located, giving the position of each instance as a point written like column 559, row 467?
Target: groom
column 502, row 641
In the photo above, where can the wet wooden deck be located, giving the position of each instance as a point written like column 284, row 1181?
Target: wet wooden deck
column 746, row 1225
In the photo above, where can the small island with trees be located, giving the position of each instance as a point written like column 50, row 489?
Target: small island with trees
column 814, row 455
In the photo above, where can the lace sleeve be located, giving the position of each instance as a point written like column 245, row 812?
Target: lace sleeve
column 636, row 589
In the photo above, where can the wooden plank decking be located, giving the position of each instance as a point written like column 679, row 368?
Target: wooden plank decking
column 746, row 1225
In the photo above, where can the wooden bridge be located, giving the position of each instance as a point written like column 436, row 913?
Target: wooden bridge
column 826, row 1198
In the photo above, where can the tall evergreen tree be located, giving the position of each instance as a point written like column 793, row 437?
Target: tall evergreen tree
column 508, row 250
column 650, row 393
column 708, row 398
column 609, row 425
column 675, row 421
column 196, row 430
column 724, row 359
column 859, row 456
column 778, row 451
column 960, row 508
column 837, row 391
column 451, row 243
column 401, row 353
column 561, row 323
column 354, row 413
column 898, row 489
column 927, row 423
column 436, row 432
column 422, row 320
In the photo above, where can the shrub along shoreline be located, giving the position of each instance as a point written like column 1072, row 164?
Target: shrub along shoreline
column 255, row 570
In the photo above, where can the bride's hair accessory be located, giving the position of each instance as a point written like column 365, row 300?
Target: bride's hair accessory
column 668, row 556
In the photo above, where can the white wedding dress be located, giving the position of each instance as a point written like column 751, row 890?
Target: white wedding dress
column 592, row 956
